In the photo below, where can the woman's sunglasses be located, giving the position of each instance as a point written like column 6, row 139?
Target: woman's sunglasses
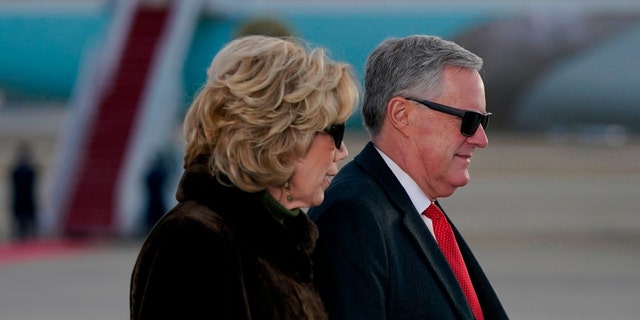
column 336, row 131
column 471, row 120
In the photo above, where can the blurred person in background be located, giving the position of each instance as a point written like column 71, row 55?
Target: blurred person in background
column 155, row 180
column 381, row 228
column 263, row 138
column 23, row 185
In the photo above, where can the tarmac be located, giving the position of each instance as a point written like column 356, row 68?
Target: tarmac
column 553, row 220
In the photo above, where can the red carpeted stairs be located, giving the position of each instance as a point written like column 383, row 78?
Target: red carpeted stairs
column 92, row 200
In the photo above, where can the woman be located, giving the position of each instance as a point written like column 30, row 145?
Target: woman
column 263, row 137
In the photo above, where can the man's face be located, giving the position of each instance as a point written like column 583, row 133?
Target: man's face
column 440, row 153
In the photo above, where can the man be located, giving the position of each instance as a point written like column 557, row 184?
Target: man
column 23, row 180
column 378, row 255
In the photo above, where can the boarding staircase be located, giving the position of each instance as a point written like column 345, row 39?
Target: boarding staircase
column 92, row 200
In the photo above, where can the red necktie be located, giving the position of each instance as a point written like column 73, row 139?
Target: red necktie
column 449, row 247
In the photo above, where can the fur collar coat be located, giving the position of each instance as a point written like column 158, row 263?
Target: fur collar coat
column 221, row 254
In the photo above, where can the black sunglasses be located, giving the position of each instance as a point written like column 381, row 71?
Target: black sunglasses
column 336, row 131
column 470, row 119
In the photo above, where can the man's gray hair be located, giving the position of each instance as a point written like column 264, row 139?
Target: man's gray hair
column 409, row 66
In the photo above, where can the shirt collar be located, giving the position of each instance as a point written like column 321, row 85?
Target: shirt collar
column 418, row 198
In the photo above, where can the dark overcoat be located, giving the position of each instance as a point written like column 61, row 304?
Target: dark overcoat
column 220, row 254
column 376, row 259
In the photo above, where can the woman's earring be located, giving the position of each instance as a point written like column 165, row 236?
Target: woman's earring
column 286, row 187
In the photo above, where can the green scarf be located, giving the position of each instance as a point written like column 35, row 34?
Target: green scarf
column 277, row 209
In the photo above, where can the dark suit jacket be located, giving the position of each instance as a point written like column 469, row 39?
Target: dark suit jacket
column 376, row 259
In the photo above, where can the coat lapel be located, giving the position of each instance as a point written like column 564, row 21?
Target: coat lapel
column 372, row 163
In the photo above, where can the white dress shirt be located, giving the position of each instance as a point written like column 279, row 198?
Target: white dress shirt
column 420, row 201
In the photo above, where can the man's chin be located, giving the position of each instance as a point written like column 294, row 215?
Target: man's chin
column 463, row 181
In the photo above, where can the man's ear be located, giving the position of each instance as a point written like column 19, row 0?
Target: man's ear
column 398, row 113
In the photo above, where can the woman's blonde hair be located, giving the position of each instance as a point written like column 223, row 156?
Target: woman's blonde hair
column 264, row 100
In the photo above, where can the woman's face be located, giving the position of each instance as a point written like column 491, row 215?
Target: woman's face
column 312, row 173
